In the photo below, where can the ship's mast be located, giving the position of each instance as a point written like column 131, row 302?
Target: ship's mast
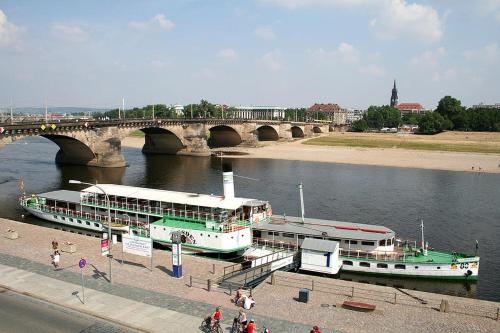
column 301, row 192
column 424, row 249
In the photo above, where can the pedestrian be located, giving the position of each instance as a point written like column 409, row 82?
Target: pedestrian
column 316, row 329
column 55, row 259
column 55, row 245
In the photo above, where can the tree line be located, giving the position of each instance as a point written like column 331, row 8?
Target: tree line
column 449, row 115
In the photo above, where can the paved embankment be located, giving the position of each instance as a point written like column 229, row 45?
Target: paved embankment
column 276, row 306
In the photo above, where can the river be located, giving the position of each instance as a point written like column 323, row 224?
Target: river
column 457, row 207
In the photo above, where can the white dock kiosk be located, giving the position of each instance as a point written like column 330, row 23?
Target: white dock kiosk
column 320, row 255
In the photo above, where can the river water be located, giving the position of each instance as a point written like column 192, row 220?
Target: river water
column 457, row 207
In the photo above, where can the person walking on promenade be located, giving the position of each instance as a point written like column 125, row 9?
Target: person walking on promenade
column 55, row 259
column 251, row 328
column 315, row 329
column 55, row 245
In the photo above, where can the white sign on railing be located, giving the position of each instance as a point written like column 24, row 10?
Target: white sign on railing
column 140, row 246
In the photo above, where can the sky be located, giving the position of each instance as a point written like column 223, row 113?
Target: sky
column 289, row 53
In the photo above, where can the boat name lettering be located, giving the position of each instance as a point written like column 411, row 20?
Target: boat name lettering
column 186, row 237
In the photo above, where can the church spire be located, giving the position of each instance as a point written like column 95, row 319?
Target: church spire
column 394, row 95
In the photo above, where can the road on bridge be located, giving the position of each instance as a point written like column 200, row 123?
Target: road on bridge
column 23, row 314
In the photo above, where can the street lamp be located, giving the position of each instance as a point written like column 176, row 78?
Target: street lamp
column 110, row 241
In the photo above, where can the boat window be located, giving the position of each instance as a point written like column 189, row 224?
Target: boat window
column 416, row 267
column 80, row 221
column 367, row 243
column 288, row 235
column 270, row 233
column 63, row 218
column 334, row 239
column 302, row 236
column 55, row 216
column 381, row 265
column 352, row 242
column 382, row 242
column 96, row 225
column 400, row 266
column 438, row 267
column 87, row 222
column 347, row 262
column 318, row 237
column 70, row 219
column 364, row 264
column 389, row 241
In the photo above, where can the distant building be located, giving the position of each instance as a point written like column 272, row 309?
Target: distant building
column 179, row 109
column 333, row 113
column 394, row 96
column 259, row 112
column 488, row 106
column 411, row 108
column 354, row 114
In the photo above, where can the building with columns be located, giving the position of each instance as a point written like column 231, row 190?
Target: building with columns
column 259, row 112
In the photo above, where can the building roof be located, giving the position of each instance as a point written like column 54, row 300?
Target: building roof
column 194, row 199
column 409, row 106
column 330, row 107
column 326, row 228
column 320, row 245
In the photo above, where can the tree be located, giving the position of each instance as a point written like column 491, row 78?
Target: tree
column 449, row 107
column 432, row 123
column 359, row 125
column 382, row 116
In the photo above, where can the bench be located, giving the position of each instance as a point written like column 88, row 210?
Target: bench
column 358, row 306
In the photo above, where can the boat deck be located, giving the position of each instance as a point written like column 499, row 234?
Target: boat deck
column 431, row 257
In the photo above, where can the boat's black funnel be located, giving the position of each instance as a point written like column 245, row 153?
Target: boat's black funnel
column 227, row 166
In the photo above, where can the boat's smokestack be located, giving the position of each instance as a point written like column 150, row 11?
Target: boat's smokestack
column 227, row 180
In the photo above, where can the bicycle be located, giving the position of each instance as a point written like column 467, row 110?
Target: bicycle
column 236, row 328
column 211, row 326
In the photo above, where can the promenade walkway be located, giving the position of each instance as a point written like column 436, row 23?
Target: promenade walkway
column 171, row 300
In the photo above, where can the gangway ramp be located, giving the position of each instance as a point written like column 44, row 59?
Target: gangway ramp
column 251, row 272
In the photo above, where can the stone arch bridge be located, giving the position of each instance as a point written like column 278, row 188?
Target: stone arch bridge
column 98, row 143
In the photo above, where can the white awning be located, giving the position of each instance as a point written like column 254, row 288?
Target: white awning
column 194, row 199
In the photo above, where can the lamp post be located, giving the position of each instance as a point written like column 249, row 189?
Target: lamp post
column 110, row 241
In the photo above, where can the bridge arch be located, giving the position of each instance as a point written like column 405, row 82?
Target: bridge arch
column 297, row 132
column 317, row 129
column 267, row 133
column 159, row 140
column 223, row 136
column 71, row 150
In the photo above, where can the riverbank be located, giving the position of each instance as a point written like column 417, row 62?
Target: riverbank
column 276, row 305
column 392, row 157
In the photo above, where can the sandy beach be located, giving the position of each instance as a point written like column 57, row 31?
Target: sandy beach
column 393, row 157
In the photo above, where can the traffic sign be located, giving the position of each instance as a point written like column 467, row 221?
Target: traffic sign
column 82, row 263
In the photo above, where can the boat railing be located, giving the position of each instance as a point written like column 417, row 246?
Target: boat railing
column 378, row 255
column 274, row 244
column 159, row 211
column 229, row 224
column 67, row 212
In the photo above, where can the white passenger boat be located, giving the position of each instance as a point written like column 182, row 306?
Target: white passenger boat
column 208, row 223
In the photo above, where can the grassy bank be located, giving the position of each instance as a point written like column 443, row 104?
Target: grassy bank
column 405, row 143
column 137, row 134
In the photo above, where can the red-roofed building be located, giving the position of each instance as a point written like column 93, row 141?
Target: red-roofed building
column 332, row 112
column 411, row 108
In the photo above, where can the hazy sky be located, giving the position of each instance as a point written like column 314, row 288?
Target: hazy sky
column 276, row 52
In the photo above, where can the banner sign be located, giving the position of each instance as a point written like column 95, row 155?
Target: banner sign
column 141, row 246
column 176, row 254
column 104, row 247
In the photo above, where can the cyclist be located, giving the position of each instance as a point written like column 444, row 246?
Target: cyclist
column 251, row 327
column 242, row 319
column 217, row 316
